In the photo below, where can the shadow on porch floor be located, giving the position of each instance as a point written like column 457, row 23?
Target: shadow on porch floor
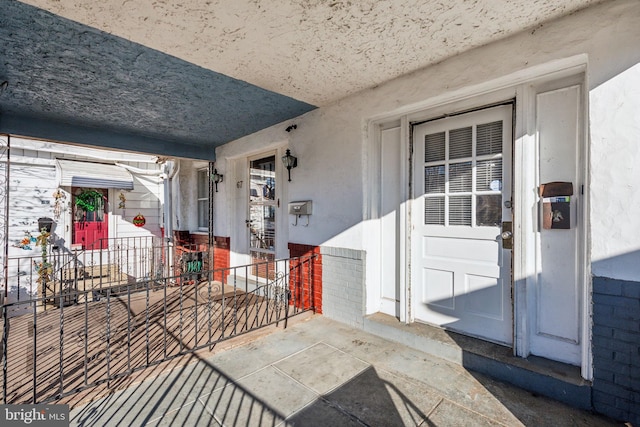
column 541, row 376
column 318, row 372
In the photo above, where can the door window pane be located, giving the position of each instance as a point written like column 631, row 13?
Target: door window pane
column 262, row 227
column 263, row 179
column 434, row 147
column 434, row 210
column 489, row 175
column 489, row 138
column 489, row 210
column 434, row 179
column 460, row 143
column 460, row 210
column 460, row 177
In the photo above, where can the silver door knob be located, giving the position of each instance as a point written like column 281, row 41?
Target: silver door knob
column 506, row 235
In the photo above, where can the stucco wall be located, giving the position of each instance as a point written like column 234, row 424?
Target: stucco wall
column 331, row 143
column 615, row 176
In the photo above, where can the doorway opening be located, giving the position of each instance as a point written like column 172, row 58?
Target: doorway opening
column 262, row 214
column 461, row 265
column 90, row 218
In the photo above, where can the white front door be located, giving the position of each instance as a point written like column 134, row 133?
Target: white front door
column 460, row 272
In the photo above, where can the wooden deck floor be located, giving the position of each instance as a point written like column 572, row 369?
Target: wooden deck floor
column 87, row 343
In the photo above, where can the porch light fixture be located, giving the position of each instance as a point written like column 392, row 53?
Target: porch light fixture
column 290, row 162
column 216, row 178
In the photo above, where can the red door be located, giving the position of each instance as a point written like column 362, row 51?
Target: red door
column 90, row 219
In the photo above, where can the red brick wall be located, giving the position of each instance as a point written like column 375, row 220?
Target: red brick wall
column 188, row 242
column 221, row 255
column 201, row 241
column 306, row 276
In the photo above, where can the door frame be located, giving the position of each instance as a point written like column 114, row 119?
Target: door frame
column 517, row 85
column 238, row 197
column 107, row 217
column 504, row 111
column 275, row 203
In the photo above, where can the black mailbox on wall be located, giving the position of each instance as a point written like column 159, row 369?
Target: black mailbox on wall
column 46, row 224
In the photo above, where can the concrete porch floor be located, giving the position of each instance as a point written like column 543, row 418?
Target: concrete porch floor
column 318, row 372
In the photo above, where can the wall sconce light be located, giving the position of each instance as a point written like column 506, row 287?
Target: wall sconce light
column 216, row 178
column 290, row 162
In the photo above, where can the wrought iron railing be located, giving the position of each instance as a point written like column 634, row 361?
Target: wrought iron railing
column 122, row 261
column 90, row 338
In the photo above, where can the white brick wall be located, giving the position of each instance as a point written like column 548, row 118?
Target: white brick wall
column 343, row 285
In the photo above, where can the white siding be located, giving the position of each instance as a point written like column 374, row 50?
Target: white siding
column 147, row 199
column 33, row 181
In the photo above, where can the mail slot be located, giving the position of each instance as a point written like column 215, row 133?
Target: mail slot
column 300, row 208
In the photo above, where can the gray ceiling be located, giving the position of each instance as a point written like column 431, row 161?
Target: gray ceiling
column 179, row 78
column 67, row 81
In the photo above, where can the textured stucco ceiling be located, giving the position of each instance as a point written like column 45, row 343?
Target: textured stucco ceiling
column 206, row 72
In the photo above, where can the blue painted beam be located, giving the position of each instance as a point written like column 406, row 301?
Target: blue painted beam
column 39, row 128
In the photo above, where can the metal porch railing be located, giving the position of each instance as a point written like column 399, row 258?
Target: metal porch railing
column 122, row 261
column 49, row 354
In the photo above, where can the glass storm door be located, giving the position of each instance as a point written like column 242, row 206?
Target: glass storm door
column 262, row 213
column 90, row 225
column 461, row 273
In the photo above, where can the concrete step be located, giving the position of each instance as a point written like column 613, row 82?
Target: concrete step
column 541, row 376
